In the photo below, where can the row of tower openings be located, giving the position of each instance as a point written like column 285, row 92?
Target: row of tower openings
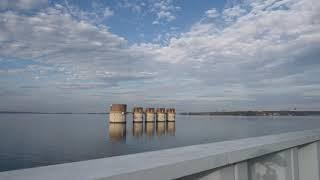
column 123, row 108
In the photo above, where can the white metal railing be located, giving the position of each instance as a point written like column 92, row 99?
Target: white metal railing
column 288, row 156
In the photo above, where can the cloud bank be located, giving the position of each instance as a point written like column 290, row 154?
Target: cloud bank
column 251, row 55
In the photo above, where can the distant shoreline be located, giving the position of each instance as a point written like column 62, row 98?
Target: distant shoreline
column 18, row 112
column 214, row 113
column 255, row 113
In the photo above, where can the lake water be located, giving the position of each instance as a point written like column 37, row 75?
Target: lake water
column 30, row 140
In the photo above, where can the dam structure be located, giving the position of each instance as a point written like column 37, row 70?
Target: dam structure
column 137, row 114
column 117, row 113
column 161, row 115
column 149, row 115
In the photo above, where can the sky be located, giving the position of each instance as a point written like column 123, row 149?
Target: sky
column 205, row 55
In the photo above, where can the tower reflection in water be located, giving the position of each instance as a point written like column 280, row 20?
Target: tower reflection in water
column 161, row 128
column 117, row 131
column 171, row 128
column 137, row 129
column 149, row 129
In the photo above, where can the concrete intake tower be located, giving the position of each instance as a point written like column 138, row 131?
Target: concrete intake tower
column 150, row 114
column 171, row 114
column 161, row 114
column 118, row 113
column 137, row 114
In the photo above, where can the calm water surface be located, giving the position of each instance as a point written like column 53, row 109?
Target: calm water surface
column 30, row 140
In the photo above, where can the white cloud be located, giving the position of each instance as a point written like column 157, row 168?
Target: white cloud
column 164, row 10
column 96, row 15
column 155, row 22
column 166, row 15
column 212, row 13
column 108, row 12
column 133, row 6
column 264, row 51
column 74, row 50
column 263, row 43
column 232, row 13
column 22, row 4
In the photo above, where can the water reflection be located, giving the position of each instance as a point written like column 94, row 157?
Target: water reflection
column 137, row 129
column 149, row 129
column 117, row 131
column 45, row 139
column 161, row 128
column 171, row 128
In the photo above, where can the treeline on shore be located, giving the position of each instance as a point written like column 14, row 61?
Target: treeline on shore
column 26, row 112
column 256, row 113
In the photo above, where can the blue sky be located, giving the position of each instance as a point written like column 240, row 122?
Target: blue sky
column 81, row 56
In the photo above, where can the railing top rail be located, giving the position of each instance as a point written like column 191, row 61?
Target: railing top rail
column 168, row 163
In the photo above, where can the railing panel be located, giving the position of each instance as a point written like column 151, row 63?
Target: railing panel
column 308, row 157
column 238, row 171
column 276, row 166
column 241, row 171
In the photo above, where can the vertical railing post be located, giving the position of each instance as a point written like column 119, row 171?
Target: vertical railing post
column 293, row 170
